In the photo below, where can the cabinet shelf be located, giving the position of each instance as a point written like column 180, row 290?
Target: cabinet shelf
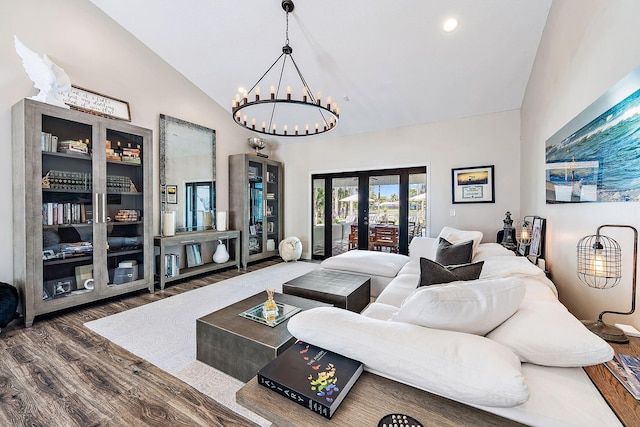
column 125, row 252
column 75, row 157
column 68, row 259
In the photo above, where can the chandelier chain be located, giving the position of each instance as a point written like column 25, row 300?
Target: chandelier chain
column 286, row 42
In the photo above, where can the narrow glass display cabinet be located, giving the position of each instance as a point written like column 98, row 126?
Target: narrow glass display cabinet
column 82, row 207
column 256, row 204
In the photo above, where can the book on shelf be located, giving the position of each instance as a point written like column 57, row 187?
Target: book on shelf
column 194, row 258
column 626, row 369
column 312, row 377
column 171, row 265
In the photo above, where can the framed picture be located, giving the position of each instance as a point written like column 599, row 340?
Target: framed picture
column 83, row 273
column 473, row 185
column 536, row 250
column 169, row 194
column 98, row 104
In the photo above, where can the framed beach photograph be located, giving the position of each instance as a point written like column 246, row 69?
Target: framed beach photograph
column 473, row 185
column 593, row 158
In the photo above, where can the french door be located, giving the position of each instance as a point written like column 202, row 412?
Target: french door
column 378, row 210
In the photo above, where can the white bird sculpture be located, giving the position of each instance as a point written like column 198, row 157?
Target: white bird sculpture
column 50, row 79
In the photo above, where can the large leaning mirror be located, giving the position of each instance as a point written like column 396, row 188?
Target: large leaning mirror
column 187, row 176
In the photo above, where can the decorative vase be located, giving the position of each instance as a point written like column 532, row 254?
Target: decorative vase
column 221, row 255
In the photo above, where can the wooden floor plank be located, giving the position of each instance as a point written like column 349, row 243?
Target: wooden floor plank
column 60, row 373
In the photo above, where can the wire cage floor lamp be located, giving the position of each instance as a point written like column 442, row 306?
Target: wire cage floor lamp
column 600, row 266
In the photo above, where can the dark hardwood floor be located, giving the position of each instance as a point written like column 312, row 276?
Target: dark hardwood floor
column 59, row 373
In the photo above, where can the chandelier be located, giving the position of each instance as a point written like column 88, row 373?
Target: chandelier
column 281, row 113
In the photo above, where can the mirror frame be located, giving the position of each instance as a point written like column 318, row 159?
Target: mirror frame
column 207, row 137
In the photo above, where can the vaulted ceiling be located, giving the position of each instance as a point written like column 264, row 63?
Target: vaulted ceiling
column 387, row 64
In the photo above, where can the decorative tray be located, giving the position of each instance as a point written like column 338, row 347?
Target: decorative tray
column 285, row 311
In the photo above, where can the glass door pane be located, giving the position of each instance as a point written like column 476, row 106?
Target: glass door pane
column 384, row 213
column 67, row 208
column 256, row 208
column 344, row 214
column 417, row 220
column 318, row 216
column 123, row 204
column 271, row 210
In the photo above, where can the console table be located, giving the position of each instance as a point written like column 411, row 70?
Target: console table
column 625, row 406
column 180, row 241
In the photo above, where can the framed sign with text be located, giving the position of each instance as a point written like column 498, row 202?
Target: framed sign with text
column 95, row 103
column 472, row 185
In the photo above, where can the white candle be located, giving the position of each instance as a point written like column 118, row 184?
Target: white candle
column 221, row 220
column 169, row 223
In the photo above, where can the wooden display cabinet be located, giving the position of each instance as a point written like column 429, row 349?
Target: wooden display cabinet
column 82, row 207
column 256, row 205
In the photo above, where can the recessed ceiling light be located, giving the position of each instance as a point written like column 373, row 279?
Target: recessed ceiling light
column 450, row 24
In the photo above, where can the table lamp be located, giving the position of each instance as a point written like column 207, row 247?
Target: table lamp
column 599, row 266
column 524, row 231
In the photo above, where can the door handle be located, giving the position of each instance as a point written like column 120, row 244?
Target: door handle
column 96, row 203
column 104, row 207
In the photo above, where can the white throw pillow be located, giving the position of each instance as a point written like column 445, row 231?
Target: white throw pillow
column 474, row 307
column 545, row 333
column 454, row 236
column 464, row 367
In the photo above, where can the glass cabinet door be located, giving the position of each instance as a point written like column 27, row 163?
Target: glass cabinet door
column 68, row 208
column 256, row 207
column 271, row 208
column 123, row 207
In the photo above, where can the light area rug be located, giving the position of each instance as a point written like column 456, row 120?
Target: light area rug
column 164, row 332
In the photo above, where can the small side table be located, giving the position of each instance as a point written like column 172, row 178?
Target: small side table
column 623, row 404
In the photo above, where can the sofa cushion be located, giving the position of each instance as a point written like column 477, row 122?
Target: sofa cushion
column 474, row 307
column 488, row 250
column 448, row 253
column 367, row 263
column 545, row 333
column 423, row 247
column 398, row 289
column 454, row 235
column 433, row 273
column 464, row 367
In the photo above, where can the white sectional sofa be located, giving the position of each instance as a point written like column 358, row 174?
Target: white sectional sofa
column 502, row 343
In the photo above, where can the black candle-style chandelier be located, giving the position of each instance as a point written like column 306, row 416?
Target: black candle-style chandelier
column 283, row 114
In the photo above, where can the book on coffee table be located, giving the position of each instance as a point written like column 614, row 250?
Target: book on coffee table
column 626, row 369
column 312, row 377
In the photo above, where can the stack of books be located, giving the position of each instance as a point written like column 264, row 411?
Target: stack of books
column 131, row 155
column 73, row 147
column 626, row 369
column 312, row 377
column 111, row 153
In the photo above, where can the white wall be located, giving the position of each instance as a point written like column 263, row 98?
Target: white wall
column 586, row 48
column 99, row 55
column 492, row 139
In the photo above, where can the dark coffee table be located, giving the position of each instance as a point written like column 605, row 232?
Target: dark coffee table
column 344, row 290
column 239, row 346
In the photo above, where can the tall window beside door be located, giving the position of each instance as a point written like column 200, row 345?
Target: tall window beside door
column 380, row 210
